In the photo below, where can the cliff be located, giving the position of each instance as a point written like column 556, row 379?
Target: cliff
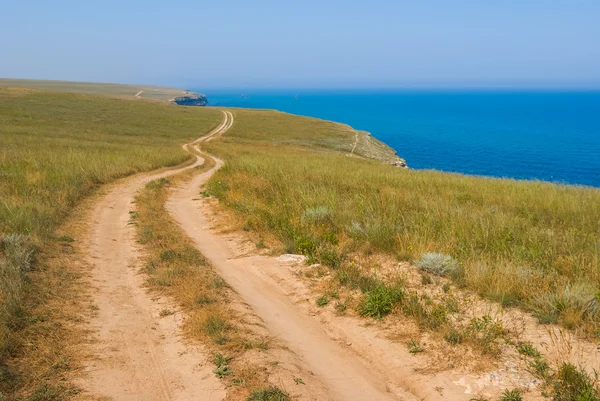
column 191, row 99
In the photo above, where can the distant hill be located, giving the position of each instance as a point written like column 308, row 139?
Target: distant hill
column 161, row 93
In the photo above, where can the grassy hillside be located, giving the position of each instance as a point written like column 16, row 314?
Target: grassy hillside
column 532, row 244
column 92, row 88
column 55, row 149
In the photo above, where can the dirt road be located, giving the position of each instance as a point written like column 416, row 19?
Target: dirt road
column 138, row 355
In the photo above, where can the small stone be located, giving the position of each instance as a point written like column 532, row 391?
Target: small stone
column 291, row 258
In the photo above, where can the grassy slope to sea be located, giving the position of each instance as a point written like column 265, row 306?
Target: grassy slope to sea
column 55, row 150
column 529, row 244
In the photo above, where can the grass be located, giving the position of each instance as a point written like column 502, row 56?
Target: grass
column 574, row 384
column 269, row 394
column 55, row 150
column 380, row 301
column 511, row 395
column 530, row 244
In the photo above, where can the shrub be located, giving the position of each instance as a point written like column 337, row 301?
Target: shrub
column 329, row 257
column 574, row 384
column 437, row 263
column 380, row 301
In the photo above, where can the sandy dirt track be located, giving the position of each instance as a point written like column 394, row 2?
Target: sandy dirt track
column 137, row 354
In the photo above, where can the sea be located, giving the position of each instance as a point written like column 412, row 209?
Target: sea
column 530, row 135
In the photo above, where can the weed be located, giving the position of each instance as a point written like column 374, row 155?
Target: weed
column 541, row 368
column 322, row 301
column 446, row 288
column 260, row 245
column 511, row 395
column 380, row 301
column 166, row 312
column 454, row 336
column 414, row 347
column 352, row 277
column 222, row 364
column 426, row 279
column 269, row 394
column 527, row 348
column 329, row 257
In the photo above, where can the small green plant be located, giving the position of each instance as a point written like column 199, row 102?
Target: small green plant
column 269, row 394
column 527, row 348
column 414, row 347
column 511, row 395
column 166, row 312
column 446, row 287
column 222, row 365
column 261, row 244
column 380, row 301
column 437, row 263
column 454, row 337
column 541, row 368
column 322, row 301
column 426, row 279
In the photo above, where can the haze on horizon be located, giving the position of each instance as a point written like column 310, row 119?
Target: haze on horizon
column 269, row 43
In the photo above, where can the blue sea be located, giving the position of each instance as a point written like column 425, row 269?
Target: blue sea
column 551, row 136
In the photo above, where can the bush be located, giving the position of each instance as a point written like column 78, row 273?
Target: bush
column 573, row 384
column 437, row 263
column 380, row 301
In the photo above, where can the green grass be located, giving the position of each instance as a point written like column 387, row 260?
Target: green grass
column 532, row 244
column 269, row 394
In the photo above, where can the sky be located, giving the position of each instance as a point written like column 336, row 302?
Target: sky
column 305, row 43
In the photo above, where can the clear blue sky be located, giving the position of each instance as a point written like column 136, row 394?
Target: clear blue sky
column 305, row 43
